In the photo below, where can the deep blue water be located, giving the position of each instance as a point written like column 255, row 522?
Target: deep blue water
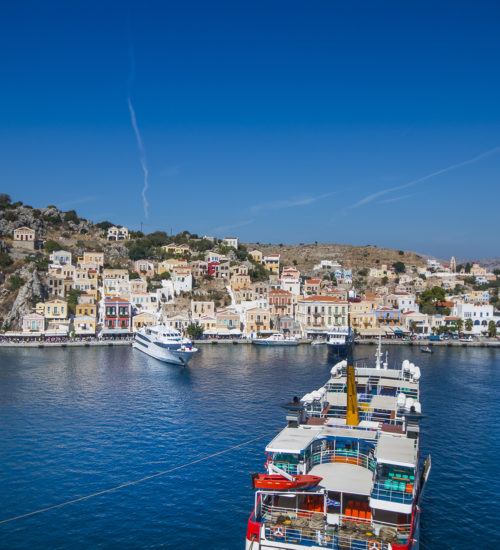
column 77, row 421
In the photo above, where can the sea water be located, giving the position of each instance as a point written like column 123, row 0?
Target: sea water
column 78, row 421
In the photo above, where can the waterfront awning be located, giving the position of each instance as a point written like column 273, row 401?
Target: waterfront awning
column 292, row 440
column 399, row 451
column 114, row 332
column 371, row 331
column 344, row 478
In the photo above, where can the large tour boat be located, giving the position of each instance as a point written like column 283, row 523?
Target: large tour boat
column 165, row 344
column 359, row 433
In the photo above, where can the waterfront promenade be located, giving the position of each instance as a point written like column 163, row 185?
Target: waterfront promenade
column 484, row 343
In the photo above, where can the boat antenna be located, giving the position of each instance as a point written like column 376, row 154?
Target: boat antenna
column 378, row 353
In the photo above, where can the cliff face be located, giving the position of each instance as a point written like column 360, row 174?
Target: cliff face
column 32, row 290
column 39, row 219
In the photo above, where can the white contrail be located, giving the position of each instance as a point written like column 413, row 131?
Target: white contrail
column 373, row 196
column 142, row 153
column 278, row 205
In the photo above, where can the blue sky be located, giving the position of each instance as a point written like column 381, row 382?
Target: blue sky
column 287, row 122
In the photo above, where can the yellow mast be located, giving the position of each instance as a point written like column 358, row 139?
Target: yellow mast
column 352, row 416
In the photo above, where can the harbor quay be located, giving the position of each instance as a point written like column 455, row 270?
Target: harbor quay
column 490, row 343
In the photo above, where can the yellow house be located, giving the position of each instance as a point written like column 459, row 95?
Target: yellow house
column 257, row 320
column 85, row 325
column 53, row 309
column 239, row 282
column 272, row 263
column 167, row 266
column 86, row 310
column 115, row 282
column 86, row 280
column 91, row 260
column 364, row 306
column 208, row 323
column 256, row 255
column 177, row 249
column 143, row 319
column 364, row 320
column 24, row 237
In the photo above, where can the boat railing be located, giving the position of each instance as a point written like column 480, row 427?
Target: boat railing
column 329, row 536
column 401, row 492
column 308, row 528
column 342, row 456
column 289, row 467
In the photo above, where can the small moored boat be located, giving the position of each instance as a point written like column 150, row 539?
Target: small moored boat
column 426, row 350
column 276, row 340
column 281, row 483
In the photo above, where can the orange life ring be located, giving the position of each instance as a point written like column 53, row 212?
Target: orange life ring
column 373, row 545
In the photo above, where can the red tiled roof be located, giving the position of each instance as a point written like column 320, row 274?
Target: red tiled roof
column 323, row 299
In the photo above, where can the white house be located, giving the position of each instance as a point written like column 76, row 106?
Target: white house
column 60, row 257
column 118, row 234
column 481, row 315
column 230, row 241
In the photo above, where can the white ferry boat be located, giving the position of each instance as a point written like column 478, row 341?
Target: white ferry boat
column 165, row 344
column 340, row 338
column 275, row 340
column 359, row 435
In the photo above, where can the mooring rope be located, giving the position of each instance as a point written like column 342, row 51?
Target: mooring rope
column 135, row 482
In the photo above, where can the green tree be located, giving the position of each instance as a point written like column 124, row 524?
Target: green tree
column 72, row 299
column 5, row 260
column 194, row 331
column 10, row 216
column 51, row 246
column 460, row 325
column 385, row 280
column 413, row 327
column 363, row 272
column 399, row 267
column 71, row 216
column 492, row 329
column 15, row 282
column 468, row 325
column 104, row 225
column 5, row 200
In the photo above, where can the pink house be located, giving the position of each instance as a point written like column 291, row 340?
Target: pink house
column 33, row 322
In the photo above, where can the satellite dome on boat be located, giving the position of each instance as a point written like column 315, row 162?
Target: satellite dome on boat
column 416, row 374
column 308, row 398
column 409, row 403
column 401, row 400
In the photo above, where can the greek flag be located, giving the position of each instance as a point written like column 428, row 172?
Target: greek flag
column 332, row 502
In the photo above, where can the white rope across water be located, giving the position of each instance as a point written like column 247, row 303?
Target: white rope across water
column 135, row 482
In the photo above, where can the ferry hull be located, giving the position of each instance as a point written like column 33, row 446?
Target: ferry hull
column 172, row 356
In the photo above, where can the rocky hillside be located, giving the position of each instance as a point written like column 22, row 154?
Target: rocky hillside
column 305, row 256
